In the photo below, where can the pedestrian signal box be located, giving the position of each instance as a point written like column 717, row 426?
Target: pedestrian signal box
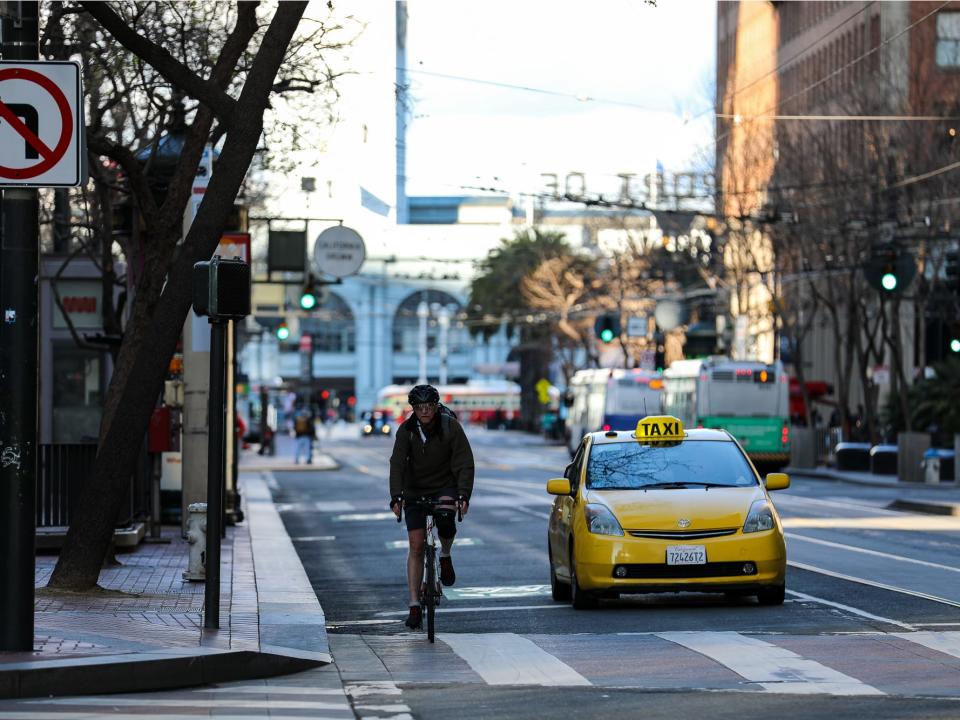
column 221, row 288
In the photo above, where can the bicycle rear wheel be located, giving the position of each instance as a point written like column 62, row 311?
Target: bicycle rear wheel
column 430, row 596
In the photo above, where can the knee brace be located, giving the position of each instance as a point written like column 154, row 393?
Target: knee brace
column 446, row 522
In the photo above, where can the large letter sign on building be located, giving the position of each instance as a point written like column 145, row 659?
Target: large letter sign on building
column 40, row 124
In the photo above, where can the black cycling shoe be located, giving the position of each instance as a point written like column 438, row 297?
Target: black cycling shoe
column 414, row 620
column 447, row 576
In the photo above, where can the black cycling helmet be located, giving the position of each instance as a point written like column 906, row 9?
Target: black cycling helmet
column 423, row 394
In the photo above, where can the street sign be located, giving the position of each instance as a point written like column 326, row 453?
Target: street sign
column 41, row 124
column 339, row 252
column 637, row 326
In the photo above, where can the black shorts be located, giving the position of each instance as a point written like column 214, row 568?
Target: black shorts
column 444, row 517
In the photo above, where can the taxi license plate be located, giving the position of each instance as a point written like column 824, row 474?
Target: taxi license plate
column 686, row 555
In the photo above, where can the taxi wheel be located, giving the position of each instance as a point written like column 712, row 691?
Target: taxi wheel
column 772, row 595
column 558, row 590
column 581, row 599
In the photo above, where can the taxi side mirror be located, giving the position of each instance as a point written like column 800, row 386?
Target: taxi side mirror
column 558, row 486
column 777, row 481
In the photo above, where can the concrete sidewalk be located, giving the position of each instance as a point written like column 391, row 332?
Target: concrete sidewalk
column 143, row 627
column 283, row 458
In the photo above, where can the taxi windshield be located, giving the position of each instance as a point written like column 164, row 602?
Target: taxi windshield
column 697, row 463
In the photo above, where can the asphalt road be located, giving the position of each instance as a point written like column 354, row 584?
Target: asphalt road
column 871, row 622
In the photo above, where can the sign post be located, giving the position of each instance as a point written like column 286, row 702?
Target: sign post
column 20, row 125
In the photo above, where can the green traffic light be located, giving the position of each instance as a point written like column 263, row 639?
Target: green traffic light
column 955, row 345
column 606, row 335
column 308, row 301
column 283, row 332
column 889, row 281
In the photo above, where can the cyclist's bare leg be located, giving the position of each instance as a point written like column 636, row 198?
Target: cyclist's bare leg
column 446, row 502
column 417, row 540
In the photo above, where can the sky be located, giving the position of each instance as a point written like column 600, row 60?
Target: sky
column 648, row 71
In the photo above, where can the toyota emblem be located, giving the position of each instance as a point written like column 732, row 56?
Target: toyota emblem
column 683, row 523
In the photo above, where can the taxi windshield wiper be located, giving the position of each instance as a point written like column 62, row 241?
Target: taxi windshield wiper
column 682, row 484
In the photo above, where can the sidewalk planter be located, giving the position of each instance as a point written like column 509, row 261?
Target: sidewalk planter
column 883, row 459
column 852, row 456
column 803, row 447
column 911, row 446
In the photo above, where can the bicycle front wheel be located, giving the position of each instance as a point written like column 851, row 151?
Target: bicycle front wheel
column 430, row 596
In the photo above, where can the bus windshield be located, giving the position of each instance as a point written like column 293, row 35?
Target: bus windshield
column 632, row 466
column 629, row 397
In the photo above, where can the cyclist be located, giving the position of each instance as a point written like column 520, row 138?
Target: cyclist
column 431, row 458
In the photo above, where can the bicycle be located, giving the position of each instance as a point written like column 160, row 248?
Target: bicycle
column 431, row 591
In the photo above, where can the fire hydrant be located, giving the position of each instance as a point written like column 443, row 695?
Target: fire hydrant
column 197, row 537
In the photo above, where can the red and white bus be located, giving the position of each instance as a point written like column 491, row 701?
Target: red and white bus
column 474, row 402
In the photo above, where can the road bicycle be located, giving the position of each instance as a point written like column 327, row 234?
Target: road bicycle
column 431, row 591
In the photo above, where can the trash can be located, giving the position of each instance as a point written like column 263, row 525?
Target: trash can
column 883, row 459
column 852, row 456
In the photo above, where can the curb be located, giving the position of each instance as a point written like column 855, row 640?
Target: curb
column 930, row 508
column 838, row 476
column 142, row 672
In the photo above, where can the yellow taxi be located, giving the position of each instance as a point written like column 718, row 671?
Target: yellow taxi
column 664, row 509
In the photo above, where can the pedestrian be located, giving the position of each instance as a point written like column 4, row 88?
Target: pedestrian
column 431, row 458
column 304, row 430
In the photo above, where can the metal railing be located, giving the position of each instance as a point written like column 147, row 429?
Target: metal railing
column 63, row 471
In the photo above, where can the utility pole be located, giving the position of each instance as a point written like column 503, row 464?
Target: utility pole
column 19, row 360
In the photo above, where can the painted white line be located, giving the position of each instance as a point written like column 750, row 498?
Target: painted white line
column 534, row 513
column 315, row 538
column 384, row 708
column 950, row 624
column 917, row 523
column 865, row 551
column 509, row 659
column 492, row 593
column 342, row 623
column 339, row 506
column 872, row 583
column 493, row 608
column 774, row 668
column 365, row 516
column 377, row 687
column 459, row 543
column 849, row 609
column 946, row 642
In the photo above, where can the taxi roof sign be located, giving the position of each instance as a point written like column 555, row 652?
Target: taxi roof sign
column 660, row 428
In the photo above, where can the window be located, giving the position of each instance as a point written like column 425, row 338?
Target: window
column 76, row 395
column 948, row 39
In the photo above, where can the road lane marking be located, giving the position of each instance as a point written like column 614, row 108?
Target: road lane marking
column 339, row 506
column 534, row 513
column 459, row 543
column 944, row 641
column 872, row 583
column 865, row 551
column 502, row 591
column 271, row 690
column 786, row 499
column 360, row 517
column 372, row 687
column 774, row 668
column 315, row 538
column 850, row 609
column 509, row 659
column 493, row 608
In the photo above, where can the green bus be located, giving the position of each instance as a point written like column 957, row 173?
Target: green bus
column 748, row 399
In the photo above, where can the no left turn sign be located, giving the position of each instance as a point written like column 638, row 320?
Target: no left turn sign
column 40, row 124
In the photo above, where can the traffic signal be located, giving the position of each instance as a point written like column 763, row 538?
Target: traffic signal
column 951, row 270
column 308, row 296
column 607, row 327
column 221, row 288
column 283, row 332
column 954, row 343
column 890, row 269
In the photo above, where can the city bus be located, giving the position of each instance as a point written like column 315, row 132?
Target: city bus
column 488, row 402
column 610, row 399
column 749, row 399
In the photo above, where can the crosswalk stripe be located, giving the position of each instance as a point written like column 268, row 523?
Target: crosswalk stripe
column 509, row 659
column 774, row 668
column 946, row 642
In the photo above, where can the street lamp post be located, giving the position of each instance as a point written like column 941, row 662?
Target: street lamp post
column 443, row 320
column 423, row 312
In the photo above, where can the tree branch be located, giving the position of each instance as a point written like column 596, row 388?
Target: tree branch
column 208, row 92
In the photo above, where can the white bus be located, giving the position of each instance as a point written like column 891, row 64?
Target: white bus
column 749, row 399
column 610, row 399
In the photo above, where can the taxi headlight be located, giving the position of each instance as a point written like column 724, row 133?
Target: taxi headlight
column 601, row 521
column 759, row 518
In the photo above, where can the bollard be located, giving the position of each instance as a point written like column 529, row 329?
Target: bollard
column 197, row 537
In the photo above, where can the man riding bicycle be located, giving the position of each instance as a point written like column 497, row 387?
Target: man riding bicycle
column 431, row 458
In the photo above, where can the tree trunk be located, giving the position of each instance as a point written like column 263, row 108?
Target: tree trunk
column 156, row 330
